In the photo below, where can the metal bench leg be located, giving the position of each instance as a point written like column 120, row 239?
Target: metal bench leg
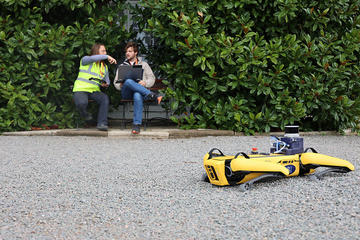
column 146, row 113
column 125, row 108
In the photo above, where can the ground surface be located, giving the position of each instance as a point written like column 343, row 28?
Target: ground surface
column 109, row 188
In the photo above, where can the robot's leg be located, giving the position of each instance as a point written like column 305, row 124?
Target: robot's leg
column 247, row 185
column 320, row 174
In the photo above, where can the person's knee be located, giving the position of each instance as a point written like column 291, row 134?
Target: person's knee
column 128, row 82
column 80, row 103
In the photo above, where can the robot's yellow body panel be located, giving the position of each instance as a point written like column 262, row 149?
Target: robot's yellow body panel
column 325, row 161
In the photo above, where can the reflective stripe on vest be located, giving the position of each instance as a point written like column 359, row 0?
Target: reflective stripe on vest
column 92, row 81
column 88, row 71
column 89, row 77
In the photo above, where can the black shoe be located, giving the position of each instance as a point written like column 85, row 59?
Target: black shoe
column 88, row 118
column 154, row 97
column 102, row 127
column 135, row 129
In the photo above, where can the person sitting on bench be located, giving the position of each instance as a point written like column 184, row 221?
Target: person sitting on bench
column 136, row 90
column 93, row 74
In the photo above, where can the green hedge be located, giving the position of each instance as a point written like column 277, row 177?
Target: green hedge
column 258, row 65
column 41, row 45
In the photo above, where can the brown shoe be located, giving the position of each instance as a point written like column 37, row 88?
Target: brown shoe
column 135, row 129
column 154, row 97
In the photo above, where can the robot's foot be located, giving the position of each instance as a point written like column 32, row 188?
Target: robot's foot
column 205, row 178
column 245, row 187
column 313, row 177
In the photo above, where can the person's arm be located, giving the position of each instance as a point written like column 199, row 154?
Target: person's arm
column 117, row 85
column 149, row 77
column 96, row 58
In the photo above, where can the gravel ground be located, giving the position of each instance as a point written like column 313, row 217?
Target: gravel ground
column 108, row 188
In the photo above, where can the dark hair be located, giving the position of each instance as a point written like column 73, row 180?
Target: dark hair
column 133, row 45
column 95, row 48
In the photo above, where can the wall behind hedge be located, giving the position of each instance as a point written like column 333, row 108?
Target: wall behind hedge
column 258, row 65
column 41, row 43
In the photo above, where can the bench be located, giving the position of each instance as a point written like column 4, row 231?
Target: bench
column 158, row 85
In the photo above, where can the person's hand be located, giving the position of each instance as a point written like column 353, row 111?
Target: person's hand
column 104, row 85
column 142, row 83
column 111, row 60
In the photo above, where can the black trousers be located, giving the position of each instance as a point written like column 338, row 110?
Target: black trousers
column 81, row 100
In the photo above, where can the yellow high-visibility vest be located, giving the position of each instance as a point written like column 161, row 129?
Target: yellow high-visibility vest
column 90, row 76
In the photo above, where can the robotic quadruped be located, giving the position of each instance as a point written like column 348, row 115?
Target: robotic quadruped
column 287, row 158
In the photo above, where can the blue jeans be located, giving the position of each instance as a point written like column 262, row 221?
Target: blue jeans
column 81, row 103
column 135, row 91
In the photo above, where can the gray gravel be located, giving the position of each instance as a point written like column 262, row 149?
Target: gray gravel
column 108, row 188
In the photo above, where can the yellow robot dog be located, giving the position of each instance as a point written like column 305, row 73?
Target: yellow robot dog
column 287, row 158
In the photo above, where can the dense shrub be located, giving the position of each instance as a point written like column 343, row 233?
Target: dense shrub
column 40, row 50
column 256, row 65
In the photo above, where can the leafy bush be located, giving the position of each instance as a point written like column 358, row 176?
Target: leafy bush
column 258, row 65
column 41, row 45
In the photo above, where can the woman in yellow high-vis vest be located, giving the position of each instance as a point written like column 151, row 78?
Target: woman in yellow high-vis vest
column 93, row 74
